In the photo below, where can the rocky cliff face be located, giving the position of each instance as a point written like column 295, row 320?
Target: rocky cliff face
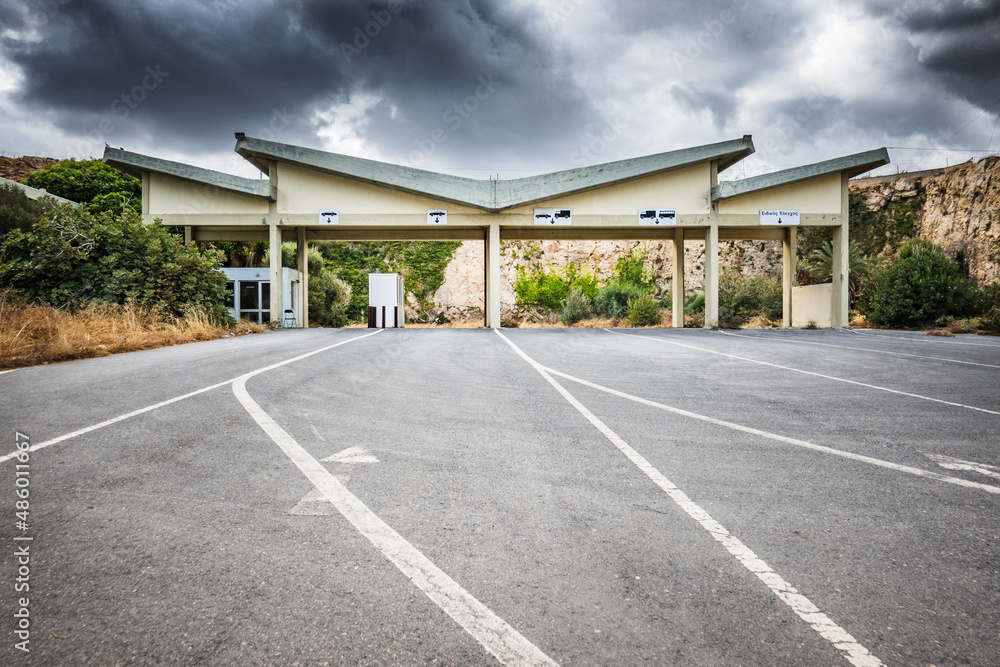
column 961, row 210
column 16, row 168
column 961, row 207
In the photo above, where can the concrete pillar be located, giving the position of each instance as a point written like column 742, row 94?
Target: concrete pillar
column 302, row 264
column 840, row 297
column 275, row 273
column 188, row 234
column 493, row 276
column 712, row 276
column 678, row 287
column 840, row 294
column 788, row 263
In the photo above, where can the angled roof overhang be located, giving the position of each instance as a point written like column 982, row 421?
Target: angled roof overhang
column 851, row 165
column 135, row 164
column 489, row 195
column 35, row 193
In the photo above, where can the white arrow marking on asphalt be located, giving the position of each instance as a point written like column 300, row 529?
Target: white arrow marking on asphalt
column 950, row 463
column 315, row 503
column 352, row 455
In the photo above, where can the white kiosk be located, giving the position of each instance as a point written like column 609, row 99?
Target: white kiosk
column 386, row 296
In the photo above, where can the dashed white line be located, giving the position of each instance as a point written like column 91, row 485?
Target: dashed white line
column 660, row 339
column 841, row 640
column 495, row 634
column 156, row 406
column 788, row 339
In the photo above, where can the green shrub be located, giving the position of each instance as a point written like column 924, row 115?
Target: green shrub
column 549, row 289
column 71, row 257
column 329, row 297
column 612, row 299
column 578, row 307
column 695, row 304
column 17, row 210
column 987, row 307
column 920, row 286
column 632, row 270
column 744, row 298
column 643, row 311
column 819, row 264
column 90, row 182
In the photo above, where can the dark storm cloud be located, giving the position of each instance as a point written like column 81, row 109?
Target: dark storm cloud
column 190, row 73
column 958, row 41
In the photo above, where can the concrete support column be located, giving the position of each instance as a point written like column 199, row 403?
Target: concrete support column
column 302, row 264
column 275, row 273
column 677, row 297
column 841, row 272
column 712, row 276
column 788, row 250
column 188, row 234
column 493, row 276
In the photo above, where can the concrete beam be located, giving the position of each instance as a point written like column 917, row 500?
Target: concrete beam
column 489, row 195
column 135, row 164
column 851, row 165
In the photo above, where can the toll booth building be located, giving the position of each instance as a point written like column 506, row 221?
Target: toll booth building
column 307, row 195
column 248, row 294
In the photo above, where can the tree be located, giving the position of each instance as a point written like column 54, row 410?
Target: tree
column 92, row 183
column 17, row 210
column 71, row 257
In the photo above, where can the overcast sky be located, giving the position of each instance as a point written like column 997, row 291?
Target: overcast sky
column 515, row 87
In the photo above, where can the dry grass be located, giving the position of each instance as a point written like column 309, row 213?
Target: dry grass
column 944, row 333
column 759, row 322
column 38, row 334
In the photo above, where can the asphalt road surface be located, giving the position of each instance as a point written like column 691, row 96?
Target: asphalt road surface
column 524, row 497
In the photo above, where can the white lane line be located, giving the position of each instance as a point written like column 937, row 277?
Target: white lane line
column 150, row 408
column 495, row 634
column 949, row 463
column 925, row 339
column 930, row 474
column 799, row 370
column 789, row 339
column 800, row 604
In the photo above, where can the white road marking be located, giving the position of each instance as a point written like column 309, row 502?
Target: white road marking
column 661, row 339
column 781, row 438
column 499, row 638
column 150, row 408
column 788, row 339
column 315, row 503
column 800, row 604
column 949, row 463
column 925, row 339
column 353, row 455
